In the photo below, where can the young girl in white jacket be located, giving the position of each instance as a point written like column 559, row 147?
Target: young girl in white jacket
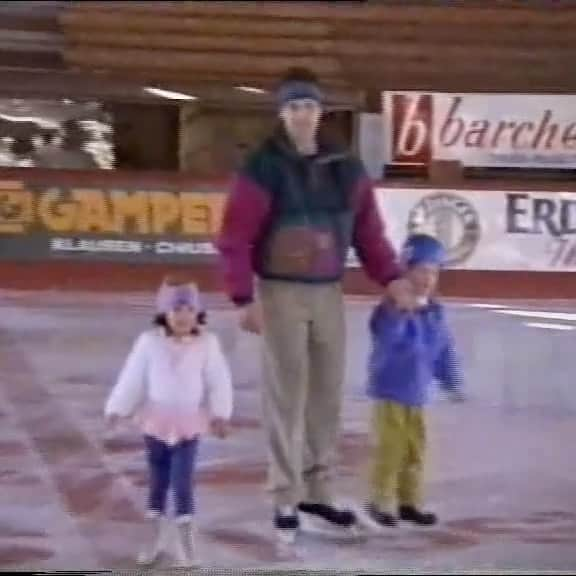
column 177, row 384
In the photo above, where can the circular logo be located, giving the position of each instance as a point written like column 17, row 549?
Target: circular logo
column 451, row 219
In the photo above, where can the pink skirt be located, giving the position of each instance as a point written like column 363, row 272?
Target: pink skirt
column 172, row 425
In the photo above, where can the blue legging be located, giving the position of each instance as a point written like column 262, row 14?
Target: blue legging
column 171, row 466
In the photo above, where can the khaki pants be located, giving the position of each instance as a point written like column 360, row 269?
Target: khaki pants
column 304, row 349
column 397, row 467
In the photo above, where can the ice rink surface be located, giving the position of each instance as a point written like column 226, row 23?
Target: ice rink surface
column 501, row 470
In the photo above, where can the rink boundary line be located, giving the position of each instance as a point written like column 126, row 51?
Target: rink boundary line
column 220, row 301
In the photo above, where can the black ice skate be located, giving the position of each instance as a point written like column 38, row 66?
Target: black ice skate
column 335, row 519
column 418, row 517
column 381, row 517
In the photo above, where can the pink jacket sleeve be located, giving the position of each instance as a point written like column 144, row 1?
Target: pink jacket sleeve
column 245, row 215
column 375, row 252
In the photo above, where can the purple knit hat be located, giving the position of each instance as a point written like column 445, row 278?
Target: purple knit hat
column 170, row 297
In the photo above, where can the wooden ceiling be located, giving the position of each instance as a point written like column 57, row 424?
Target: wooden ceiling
column 357, row 48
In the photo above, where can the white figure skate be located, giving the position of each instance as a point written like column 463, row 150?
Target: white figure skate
column 153, row 548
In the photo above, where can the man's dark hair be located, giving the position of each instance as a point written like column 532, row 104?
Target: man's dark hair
column 299, row 74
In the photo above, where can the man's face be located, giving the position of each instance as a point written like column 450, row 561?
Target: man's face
column 301, row 118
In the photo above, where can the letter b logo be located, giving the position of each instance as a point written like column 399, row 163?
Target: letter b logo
column 411, row 128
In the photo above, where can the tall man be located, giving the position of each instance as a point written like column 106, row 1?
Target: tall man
column 296, row 208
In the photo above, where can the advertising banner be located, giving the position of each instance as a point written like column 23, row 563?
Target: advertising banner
column 113, row 222
column 486, row 229
column 482, row 130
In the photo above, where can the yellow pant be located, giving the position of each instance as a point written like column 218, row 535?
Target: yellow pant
column 397, row 467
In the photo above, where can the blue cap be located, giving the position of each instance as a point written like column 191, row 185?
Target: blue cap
column 298, row 90
column 423, row 249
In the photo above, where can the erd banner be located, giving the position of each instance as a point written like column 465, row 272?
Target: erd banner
column 506, row 230
column 44, row 219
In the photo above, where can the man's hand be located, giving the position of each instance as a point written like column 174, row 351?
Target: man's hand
column 402, row 294
column 220, row 427
column 250, row 319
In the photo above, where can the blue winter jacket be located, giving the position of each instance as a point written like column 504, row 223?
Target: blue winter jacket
column 409, row 351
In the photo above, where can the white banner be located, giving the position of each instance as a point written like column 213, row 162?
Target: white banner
column 485, row 229
column 528, row 131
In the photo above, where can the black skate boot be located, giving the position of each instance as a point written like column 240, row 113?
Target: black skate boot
column 381, row 517
column 332, row 515
column 341, row 520
column 418, row 517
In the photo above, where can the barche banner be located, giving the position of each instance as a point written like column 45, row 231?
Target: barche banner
column 483, row 130
column 486, row 229
column 111, row 222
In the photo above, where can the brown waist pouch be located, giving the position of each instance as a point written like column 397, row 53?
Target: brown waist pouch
column 303, row 252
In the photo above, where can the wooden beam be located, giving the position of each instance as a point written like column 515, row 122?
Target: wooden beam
column 30, row 23
column 339, row 45
column 262, row 26
column 31, row 59
column 254, row 29
column 494, row 4
column 359, row 69
column 523, row 48
column 541, row 39
column 197, row 61
column 333, row 11
column 466, row 35
column 191, row 25
column 203, row 43
column 171, row 79
column 466, row 81
column 397, row 77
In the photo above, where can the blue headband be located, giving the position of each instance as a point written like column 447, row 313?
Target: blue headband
column 298, row 90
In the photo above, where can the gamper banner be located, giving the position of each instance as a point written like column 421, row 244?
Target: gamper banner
column 112, row 221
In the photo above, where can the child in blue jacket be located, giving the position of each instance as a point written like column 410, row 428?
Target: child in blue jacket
column 409, row 351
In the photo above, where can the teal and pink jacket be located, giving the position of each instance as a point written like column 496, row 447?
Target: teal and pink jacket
column 294, row 218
